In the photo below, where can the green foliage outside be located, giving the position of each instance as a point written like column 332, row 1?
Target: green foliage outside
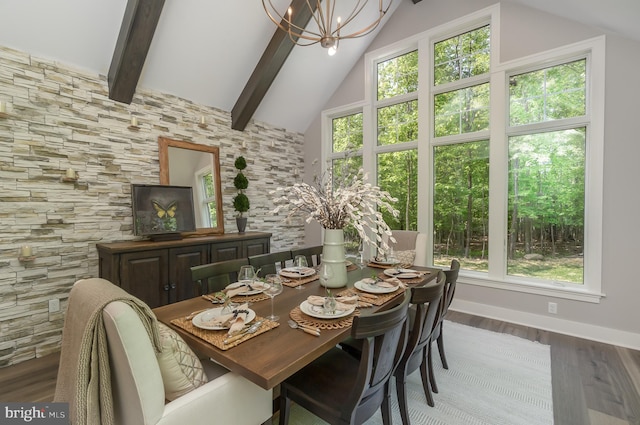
column 546, row 169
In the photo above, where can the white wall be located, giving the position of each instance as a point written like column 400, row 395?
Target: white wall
column 616, row 318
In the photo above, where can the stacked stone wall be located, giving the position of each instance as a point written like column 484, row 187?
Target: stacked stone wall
column 59, row 117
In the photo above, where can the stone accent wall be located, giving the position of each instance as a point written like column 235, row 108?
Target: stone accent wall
column 60, row 118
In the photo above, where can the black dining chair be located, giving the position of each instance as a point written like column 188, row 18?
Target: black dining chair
column 342, row 389
column 216, row 276
column 311, row 253
column 270, row 262
column 422, row 318
column 438, row 336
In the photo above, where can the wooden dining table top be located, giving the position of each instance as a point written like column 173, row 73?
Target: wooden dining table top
column 269, row 358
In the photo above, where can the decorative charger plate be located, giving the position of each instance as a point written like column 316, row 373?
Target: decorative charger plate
column 201, row 319
column 297, row 272
column 247, row 292
column 373, row 289
column 317, row 311
column 402, row 273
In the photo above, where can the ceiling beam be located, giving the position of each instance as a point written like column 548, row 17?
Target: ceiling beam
column 138, row 26
column 269, row 65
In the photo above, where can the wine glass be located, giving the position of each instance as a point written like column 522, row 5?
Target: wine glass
column 300, row 263
column 326, row 274
column 274, row 287
column 246, row 275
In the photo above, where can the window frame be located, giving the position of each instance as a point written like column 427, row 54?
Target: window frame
column 498, row 133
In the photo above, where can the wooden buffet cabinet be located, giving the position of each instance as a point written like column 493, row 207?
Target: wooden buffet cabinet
column 159, row 273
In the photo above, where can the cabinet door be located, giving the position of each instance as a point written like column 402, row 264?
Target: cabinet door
column 256, row 246
column 144, row 275
column 180, row 262
column 226, row 251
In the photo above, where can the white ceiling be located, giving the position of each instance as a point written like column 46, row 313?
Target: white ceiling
column 205, row 50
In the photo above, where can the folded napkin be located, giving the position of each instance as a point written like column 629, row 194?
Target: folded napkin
column 255, row 285
column 234, row 320
column 392, row 282
column 342, row 303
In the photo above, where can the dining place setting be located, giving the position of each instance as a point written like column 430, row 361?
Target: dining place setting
column 235, row 321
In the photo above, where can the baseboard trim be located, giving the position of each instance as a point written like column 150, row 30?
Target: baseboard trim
column 553, row 324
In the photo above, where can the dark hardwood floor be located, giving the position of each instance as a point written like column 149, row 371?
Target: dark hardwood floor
column 593, row 383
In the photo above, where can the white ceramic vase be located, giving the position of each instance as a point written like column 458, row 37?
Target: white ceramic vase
column 333, row 255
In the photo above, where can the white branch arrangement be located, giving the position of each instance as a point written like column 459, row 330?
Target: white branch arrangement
column 353, row 202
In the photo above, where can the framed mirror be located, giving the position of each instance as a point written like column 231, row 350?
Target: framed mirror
column 190, row 164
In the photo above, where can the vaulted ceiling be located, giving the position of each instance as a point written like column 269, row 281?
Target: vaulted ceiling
column 221, row 53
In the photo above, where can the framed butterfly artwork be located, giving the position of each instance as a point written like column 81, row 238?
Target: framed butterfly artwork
column 162, row 212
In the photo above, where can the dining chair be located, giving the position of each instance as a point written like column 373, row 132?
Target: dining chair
column 216, row 276
column 342, row 389
column 438, row 336
column 271, row 262
column 118, row 373
column 422, row 318
column 410, row 244
column 312, row 253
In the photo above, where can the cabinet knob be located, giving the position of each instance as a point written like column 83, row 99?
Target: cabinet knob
column 166, row 288
column 173, row 286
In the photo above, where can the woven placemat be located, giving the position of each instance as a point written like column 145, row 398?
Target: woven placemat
column 375, row 299
column 388, row 266
column 406, row 281
column 216, row 338
column 241, row 299
column 292, row 283
column 237, row 298
column 302, row 319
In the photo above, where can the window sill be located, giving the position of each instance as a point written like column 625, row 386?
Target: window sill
column 557, row 291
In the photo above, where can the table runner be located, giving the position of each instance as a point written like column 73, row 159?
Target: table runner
column 216, row 338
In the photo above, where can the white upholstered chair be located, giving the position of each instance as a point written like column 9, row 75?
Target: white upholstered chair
column 410, row 240
column 123, row 324
column 139, row 396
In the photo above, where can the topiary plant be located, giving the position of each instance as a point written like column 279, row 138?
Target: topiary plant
column 241, row 201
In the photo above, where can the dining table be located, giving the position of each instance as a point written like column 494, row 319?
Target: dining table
column 271, row 357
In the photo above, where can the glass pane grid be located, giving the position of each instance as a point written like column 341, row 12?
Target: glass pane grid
column 548, row 94
column 397, row 76
column 462, row 56
column 398, row 123
column 347, row 133
column 461, row 111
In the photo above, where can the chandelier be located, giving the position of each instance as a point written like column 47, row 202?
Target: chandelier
column 323, row 15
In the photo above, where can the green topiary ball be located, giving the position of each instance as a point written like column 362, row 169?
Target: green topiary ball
column 241, row 203
column 240, row 163
column 240, row 182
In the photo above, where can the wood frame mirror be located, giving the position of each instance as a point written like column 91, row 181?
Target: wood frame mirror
column 169, row 152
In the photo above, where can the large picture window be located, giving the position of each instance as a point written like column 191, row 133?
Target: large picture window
column 500, row 164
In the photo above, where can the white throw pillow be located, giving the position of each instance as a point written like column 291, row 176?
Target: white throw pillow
column 180, row 368
column 406, row 257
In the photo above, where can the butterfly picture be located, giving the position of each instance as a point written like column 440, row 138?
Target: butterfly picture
column 165, row 212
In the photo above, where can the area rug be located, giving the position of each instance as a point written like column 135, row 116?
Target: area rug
column 493, row 379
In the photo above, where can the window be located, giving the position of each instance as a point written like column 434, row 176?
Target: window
column 206, row 196
column 547, row 173
column 461, row 149
column 499, row 163
column 397, row 135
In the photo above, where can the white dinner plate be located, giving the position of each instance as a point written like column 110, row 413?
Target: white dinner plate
column 201, row 319
column 402, row 273
column 297, row 272
column 373, row 289
column 318, row 311
column 247, row 292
